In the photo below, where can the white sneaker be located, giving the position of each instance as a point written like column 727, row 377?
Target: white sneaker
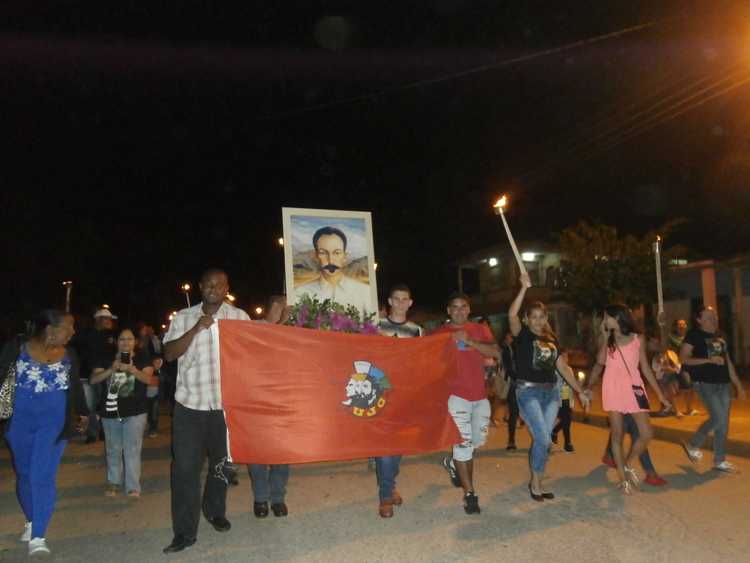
column 726, row 467
column 694, row 454
column 26, row 536
column 37, row 546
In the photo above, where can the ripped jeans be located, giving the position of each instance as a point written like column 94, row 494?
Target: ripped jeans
column 195, row 435
column 472, row 419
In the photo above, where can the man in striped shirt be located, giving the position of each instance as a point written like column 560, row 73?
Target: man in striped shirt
column 198, row 426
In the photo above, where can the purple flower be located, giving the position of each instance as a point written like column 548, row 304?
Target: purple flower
column 339, row 322
column 302, row 316
column 369, row 328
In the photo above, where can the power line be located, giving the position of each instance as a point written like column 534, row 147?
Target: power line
column 468, row 72
column 596, row 142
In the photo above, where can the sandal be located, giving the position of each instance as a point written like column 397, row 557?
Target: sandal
column 632, row 476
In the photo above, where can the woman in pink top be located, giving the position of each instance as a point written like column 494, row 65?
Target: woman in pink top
column 622, row 388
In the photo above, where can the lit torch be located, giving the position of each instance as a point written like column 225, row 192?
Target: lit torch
column 659, row 289
column 501, row 203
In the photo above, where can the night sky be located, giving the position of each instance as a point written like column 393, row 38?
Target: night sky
column 149, row 140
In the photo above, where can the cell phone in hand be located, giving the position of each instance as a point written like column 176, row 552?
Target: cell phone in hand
column 124, row 357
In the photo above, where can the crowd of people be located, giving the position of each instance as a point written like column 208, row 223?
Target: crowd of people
column 115, row 379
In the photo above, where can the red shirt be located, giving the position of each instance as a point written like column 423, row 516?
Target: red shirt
column 469, row 381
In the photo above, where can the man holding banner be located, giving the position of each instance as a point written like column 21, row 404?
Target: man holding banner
column 395, row 325
column 468, row 404
column 198, row 426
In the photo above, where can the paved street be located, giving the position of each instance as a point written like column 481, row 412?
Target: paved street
column 700, row 516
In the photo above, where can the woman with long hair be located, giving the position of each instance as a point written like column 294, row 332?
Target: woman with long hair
column 623, row 352
column 538, row 361
column 47, row 385
column 124, row 415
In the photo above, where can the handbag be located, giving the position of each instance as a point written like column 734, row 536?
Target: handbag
column 638, row 391
column 8, row 392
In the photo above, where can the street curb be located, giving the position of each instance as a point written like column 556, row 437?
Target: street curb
column 734, row 447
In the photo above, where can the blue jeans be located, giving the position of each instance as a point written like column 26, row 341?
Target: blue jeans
column 38, row 419
column 630, row 427
column 717, row 397
column 268, row 482
column 538, row 406
column 92, row 393
column 386, row 470
column 123, row 441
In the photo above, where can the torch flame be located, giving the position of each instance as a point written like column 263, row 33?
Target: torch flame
column 498, row 207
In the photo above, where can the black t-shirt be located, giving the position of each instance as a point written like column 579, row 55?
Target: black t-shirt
column 98, row 350
column 536, row 357
column 126, row 395
column 707, row 345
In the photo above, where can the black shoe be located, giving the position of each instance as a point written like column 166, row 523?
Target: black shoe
column 548, row 496
column 510, row 447
column 279, row 509
column 233, row 480
column 219, row 523
column 554, row 438
column 471, row 504
column 569, row 448
column 455, row 479
column 536, row 497
column 260, row 509
column 178, row 544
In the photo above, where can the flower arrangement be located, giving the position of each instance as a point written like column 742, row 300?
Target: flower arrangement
column 310, row 312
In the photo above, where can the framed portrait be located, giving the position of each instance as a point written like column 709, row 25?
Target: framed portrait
column 329, row 254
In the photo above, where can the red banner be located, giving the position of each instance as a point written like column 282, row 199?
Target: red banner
column 296, row 395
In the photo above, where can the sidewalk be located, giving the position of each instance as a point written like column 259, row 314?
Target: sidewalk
column 673, row 429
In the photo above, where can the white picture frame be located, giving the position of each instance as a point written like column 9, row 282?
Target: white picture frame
column 302, row 268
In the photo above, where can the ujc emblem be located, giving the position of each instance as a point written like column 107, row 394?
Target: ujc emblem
column 365, row 389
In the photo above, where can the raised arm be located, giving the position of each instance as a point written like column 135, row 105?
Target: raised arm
column 515, row 307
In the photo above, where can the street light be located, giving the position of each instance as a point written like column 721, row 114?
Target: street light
column 281, row 241
column 259, row 311
column 231, row 298
column 186, row 290
column 68, row 285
